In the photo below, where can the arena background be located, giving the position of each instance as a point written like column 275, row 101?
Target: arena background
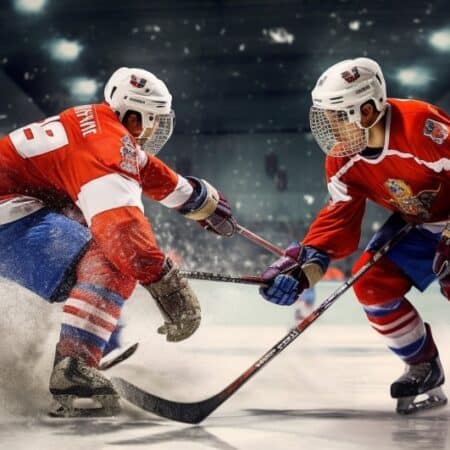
column 240, row 73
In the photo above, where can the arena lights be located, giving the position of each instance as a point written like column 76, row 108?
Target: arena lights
column 414, row 76
column 29, row 6
column 441, row 40
column 83, row 88
column 64, row 50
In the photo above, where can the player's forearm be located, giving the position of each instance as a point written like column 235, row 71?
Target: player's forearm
column 162, row 184
column 337, row 229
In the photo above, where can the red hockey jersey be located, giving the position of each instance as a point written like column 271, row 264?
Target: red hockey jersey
column 86, row 156
column 411, row 176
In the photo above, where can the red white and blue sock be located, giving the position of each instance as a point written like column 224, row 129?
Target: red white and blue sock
column 90, row 316
column 402, row 327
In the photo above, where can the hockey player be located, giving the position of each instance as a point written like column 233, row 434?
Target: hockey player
column 395, row 152
column 97, row 159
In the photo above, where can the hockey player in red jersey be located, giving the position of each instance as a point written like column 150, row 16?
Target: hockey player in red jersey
column 396, row 153
column 97, row 160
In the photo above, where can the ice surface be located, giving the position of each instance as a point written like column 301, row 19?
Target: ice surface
column 328, row 390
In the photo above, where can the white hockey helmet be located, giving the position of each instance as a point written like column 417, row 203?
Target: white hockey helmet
column 138, row 90
column 337, row 99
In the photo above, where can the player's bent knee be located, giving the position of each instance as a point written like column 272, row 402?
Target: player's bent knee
column 96, row 270
column 383, row 282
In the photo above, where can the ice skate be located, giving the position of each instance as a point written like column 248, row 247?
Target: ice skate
column 420, row 379
column 81, row 391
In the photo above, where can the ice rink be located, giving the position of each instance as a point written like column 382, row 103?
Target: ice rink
column 328, row 390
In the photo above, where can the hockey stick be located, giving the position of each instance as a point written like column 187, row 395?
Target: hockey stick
column 258, row 240
column 211, row 276
column 195, row 412
column 248, row 279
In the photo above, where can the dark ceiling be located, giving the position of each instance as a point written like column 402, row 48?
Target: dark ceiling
column 222, row 60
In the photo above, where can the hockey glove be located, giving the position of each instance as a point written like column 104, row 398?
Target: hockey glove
column 441, row 261
column 300, row 268
column 209, row 208
column 177, row 303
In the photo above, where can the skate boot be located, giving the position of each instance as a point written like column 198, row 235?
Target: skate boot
column 81, row 391
column 423, row 378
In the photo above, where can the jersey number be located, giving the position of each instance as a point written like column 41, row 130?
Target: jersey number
column 39, row 137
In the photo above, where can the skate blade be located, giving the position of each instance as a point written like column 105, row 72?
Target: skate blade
column 67, row 406
column 435, row 399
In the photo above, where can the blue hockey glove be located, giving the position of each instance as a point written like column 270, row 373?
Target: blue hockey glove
column 286, row 277
column 284, row 290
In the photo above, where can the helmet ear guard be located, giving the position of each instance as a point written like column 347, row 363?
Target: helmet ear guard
column 137, row 90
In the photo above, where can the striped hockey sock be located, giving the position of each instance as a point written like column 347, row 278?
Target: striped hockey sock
column 90, row 316
column 402, row 327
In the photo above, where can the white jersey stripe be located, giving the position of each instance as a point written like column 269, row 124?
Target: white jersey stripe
column 108, row 192
column 179, row 195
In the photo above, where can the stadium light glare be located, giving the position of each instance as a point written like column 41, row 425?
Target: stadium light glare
column 83, row 88
column 29, row 6
column 414, row 76
column 65, row 50
column 441, row 40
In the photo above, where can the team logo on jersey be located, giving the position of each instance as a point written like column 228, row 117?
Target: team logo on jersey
column 137, row 82
column 351, row 75
column 436, row 131
column 405, row 200
column 128, row 152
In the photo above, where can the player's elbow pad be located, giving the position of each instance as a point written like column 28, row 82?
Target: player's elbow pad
column 202, row 202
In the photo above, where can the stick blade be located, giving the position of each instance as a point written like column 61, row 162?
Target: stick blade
column 192, row 413
column 127, row 352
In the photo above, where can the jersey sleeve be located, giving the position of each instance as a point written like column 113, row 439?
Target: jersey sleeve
column 108, row 191
column 111, row 202
column 337, row 228
column 161, row 183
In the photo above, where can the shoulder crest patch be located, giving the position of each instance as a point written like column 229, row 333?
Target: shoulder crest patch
column 436, row 131
column 129, row 155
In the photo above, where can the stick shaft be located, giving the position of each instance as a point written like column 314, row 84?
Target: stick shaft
column 258, row 240
column 195, row 412
column 211, row 276
column 295, row 332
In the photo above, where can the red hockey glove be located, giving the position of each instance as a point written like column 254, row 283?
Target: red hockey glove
column 221, row 221
column 209, row 208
